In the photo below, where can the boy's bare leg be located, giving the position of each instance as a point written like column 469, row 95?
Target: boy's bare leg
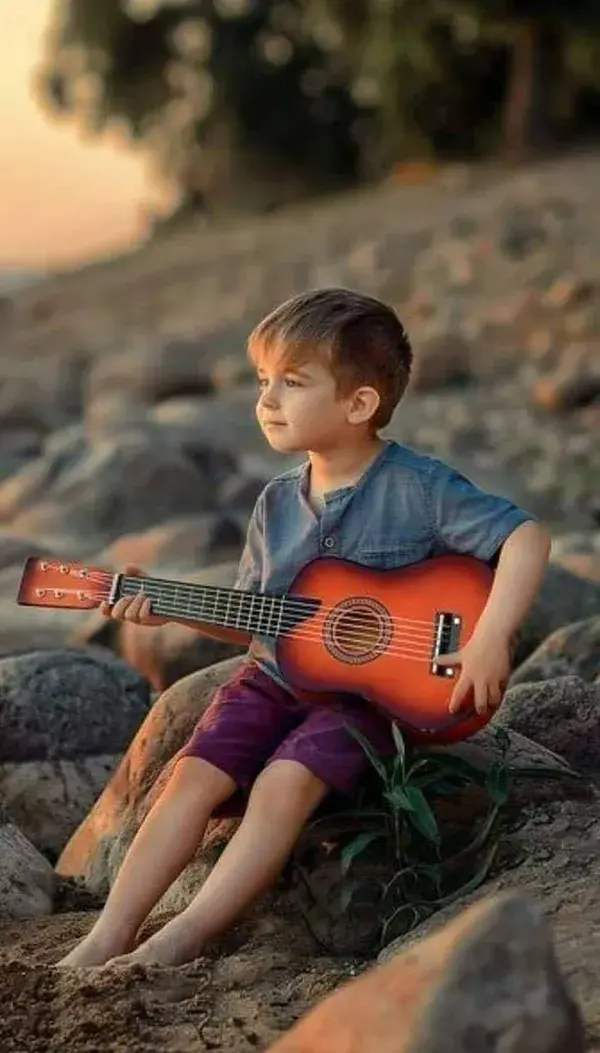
column 282, row 799
column 162, row 847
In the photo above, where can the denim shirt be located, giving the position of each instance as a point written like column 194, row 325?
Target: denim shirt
column 406, row 507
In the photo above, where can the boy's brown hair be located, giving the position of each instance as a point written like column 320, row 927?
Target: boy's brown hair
column 361, row 340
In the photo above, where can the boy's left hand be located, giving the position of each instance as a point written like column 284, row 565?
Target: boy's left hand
column 485, row 663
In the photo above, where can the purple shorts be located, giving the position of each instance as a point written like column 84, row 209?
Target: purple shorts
column 251, row 721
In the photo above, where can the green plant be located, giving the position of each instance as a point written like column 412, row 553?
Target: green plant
column 427, row 863
column 429, row 867
column 424, row 861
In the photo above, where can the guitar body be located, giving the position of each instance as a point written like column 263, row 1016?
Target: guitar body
column 341, row 629
column 378, row 638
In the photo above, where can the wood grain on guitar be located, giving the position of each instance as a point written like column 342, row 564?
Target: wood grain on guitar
column 342, row 627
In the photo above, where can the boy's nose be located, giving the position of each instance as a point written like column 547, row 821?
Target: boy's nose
column 268, row 398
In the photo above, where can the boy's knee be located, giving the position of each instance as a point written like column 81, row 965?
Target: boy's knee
column 288, row 786
column 197, row 778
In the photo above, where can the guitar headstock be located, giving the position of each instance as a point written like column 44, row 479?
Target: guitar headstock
column 63, row 583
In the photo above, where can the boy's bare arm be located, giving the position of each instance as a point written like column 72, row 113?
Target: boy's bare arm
column 518, row 578
column 485, row 660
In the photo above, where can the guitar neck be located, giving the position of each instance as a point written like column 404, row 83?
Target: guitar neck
column 260, row 614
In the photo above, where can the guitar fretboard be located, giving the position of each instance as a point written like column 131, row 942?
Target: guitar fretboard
column 255, row 612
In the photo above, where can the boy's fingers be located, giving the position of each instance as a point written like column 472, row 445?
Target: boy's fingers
column 495, row 696
column 130, row 568
column 448, row 659
column 459, row 694
column 481, row 698
column 134, row 611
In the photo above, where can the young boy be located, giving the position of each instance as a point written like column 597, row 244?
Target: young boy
column 332, row 366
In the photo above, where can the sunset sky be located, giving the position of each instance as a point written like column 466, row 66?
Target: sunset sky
column 62, row 200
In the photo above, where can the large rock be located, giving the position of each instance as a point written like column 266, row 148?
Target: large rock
column 489, row 981
column 562, row 714
column 572, row 650
column 49, row 799
column 152, row 372
column 66, row 718
column 183, row 542
column 27, row 880
column 563, row 598
column 117, row 487
column 61, row 452
column 63, row 705
column 97, row 848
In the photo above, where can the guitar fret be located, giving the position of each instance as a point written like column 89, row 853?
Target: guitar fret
column 253, row 612
column 217, row 600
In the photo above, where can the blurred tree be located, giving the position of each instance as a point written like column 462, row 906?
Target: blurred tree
column 226, row 94
column 542, row 72
column 254, row 102
column 413, row 52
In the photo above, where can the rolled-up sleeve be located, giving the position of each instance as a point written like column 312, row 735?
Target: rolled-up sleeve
column 467, row 519
column 250, row 567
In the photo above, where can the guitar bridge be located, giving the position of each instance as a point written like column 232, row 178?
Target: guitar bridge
column 447, row 640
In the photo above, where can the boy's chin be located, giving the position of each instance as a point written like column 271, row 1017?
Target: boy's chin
column 282, row 441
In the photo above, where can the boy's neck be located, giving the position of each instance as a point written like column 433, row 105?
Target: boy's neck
column 340, row 467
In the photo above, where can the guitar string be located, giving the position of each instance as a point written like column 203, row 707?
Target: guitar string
column 310, row 635
column 170, row 608
column 299, row 605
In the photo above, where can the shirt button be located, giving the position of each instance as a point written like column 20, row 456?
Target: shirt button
column 329, row 542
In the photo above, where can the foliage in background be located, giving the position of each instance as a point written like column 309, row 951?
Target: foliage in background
column 249, row 102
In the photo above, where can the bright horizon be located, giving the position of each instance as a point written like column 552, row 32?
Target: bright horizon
column 63, row 200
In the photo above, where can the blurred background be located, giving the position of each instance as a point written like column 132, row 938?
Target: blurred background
column 127, row 108
column 172, row 170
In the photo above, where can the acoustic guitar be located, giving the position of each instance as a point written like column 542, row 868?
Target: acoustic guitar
column 341, row 627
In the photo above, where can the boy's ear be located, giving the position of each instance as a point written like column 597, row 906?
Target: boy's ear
column 363, row 405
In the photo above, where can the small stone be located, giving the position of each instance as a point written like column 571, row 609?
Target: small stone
column 567, row 291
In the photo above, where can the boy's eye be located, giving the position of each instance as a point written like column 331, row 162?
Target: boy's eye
column 291, row 382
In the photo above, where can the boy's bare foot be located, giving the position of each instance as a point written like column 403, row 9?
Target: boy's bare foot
column 94, row 950
column 173, row 945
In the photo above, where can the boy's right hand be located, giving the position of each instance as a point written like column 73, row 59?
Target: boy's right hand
column 136, row 609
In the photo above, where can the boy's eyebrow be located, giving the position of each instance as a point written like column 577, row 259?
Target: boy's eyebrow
column 301, row 371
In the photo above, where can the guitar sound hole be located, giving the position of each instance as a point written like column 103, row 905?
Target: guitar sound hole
column 358, row 630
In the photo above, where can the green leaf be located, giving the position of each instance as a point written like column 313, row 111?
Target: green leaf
column 347, row 894
column 474, row 882
column 543, row 772
column 497, row 783
column 411, row 908
column 400, row 758
column 355, row 847
column 422, row 816
column 368, row 749
column 485, row 831
column 502, row 739
column 399, row 798
column 446, row 765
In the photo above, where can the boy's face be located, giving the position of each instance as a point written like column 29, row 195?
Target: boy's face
column 299, row 409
